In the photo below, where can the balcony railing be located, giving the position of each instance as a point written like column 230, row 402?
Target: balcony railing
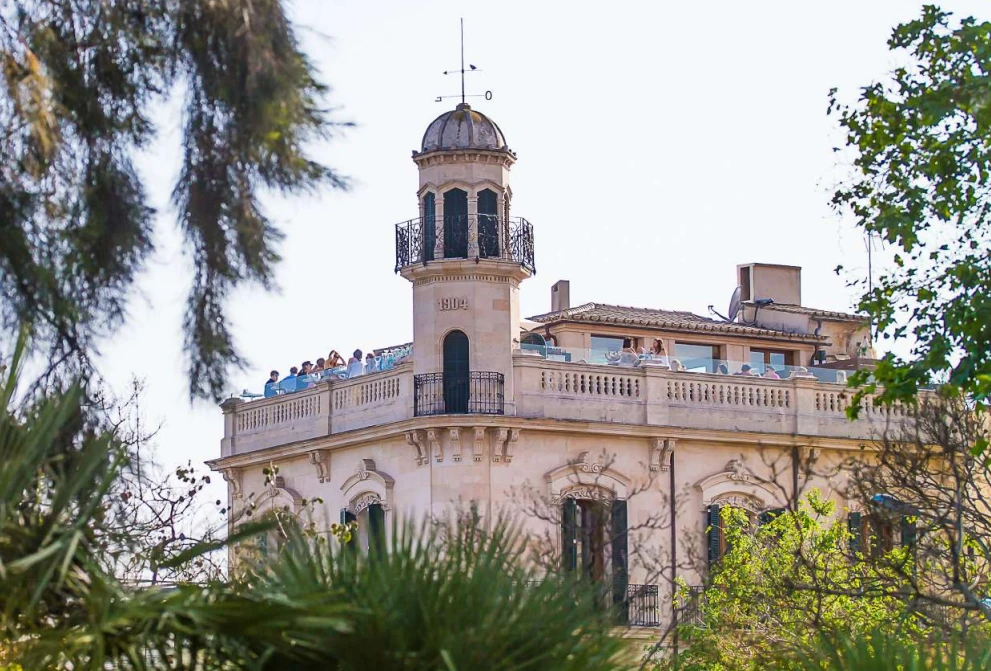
column 643, row 605
column 474, row 393
column 465, row 237
column 690, row 612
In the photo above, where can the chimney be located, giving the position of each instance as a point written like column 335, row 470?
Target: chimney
column 560, row 296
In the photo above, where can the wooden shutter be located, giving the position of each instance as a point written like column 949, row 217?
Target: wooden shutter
column 713, row 526
column 620, row 560
column 908, row 531
column 853, row 522
column 376, row 529
column 569, row 548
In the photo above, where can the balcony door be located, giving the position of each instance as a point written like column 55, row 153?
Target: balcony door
column 456, row 373
column 488, row 224
column 455, row 224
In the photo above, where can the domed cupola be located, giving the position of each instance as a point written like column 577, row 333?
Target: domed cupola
column 463, row 128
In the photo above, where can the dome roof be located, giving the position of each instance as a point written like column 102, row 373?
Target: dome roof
column 463, row 128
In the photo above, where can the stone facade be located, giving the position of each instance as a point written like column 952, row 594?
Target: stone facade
column 560, row 430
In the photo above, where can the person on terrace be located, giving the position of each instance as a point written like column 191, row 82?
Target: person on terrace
column 744, row 370
column 303, row 380
column 270, row 385
column 628, row 356
column 771, row 374
column 289, row 382
column 319, row 368
column 657, row 351
column 355, row 365
column 371, row 365
column 721, row 369
column 334, row 360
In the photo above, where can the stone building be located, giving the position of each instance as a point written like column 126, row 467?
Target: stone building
column 579, row 407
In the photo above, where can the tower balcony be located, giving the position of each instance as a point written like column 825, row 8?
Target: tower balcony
column 425, row 239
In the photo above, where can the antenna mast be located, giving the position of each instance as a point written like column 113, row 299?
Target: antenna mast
column 462, row 60
column 463, row 71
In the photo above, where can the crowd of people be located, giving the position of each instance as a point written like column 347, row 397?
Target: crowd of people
column 334, row 367
column 629, row 357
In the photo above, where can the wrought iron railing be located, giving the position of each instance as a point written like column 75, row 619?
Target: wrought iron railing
column 691, row 611
column 462, row 236
column 643, row 606
column 473, row 393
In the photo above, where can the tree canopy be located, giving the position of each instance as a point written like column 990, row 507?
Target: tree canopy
column 921, row 183
column 79, row 79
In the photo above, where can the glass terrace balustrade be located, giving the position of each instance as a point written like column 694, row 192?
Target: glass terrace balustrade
column 606, row 357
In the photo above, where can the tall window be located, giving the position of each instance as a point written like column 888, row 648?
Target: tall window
column 429, row 225
column 456, row 224
column 716, row 530
column 456, row 372
column 697, row 358
column 488, row 224
column 594, row 544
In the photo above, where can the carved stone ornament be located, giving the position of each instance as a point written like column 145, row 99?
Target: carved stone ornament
column 510, row 446
column 415, row 439
column 737, row 471
column 478, row 447
column 321, row 460
column 454, row 436
column 365, row 468
column 586, row 492
column 583, row 465
column 660, row 453
column 739, row 500
column 433, row 439
column 233, row 478
column 364, row 500
column 501, row 439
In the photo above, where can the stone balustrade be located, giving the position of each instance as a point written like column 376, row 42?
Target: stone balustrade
column 649, row 395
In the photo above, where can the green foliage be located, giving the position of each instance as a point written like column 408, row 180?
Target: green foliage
column 878, row 651
column 921, row 144
column 443, row 596
column 781, row 586
column 78, row 82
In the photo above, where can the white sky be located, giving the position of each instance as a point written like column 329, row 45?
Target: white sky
column 659, row 144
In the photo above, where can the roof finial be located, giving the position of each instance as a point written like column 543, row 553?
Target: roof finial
column 471, row 68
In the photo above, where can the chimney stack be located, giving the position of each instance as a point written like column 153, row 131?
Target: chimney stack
column 560, row 296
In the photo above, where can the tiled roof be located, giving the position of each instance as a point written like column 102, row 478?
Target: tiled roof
column 666, row 319
column 813, row 312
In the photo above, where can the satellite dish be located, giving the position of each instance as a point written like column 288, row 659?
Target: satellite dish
column 734, row 305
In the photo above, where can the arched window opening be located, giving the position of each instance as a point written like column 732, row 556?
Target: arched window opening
column 429, row 225
column 456, row 224
column 534, row 342
column 488, row 224
column 716, row 522
column 456, row 372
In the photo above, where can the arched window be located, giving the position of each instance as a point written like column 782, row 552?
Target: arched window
column 429, row 225
column 488, row 224
column 456, row 224
column 715, row 525
column 456, row 372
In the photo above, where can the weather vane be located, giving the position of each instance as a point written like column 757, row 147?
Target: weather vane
column 471, row 68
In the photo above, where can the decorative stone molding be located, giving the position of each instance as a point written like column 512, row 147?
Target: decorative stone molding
column 367, row 481
column 478, row 446
column 510, row 446
column 233, row 478
column 415, row 439
column 660, row 453
column 321, row 460
column 586, row 492
column 362, row 501
column 733, row 487
column 501, row 439
column 810, row 454
column 454, row 438
column 282, row 497
column 582, row 472
column 433, row 439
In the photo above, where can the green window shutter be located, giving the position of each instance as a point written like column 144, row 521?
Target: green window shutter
column 620, row 560
column 908, row 531
column 346, row 517
column 569, row 548
column 854, row 527
column 713, row 524
column 376, row 529
column 768, row 515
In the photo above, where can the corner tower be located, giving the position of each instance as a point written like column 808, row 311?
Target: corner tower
column 465, row 256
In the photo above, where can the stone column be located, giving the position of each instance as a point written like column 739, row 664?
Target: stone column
column 473, row 224
column 439, row 227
